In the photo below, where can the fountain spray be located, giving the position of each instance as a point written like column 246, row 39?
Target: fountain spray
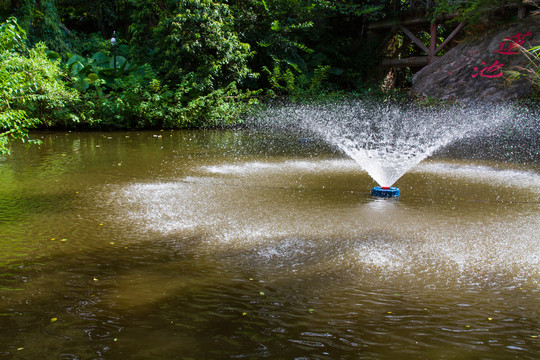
column 388, row 139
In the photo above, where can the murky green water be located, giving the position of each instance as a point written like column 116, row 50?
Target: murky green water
column 235, row 244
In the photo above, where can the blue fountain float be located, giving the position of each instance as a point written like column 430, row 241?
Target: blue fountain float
column 385, row 191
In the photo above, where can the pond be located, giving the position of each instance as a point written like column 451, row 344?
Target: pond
column 252, row 244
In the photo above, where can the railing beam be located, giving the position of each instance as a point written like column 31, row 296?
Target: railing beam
column 432, row 40
column 449, row 38
column 413, row 37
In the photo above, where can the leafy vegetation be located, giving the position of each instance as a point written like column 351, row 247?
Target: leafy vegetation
column 474, row 12
column 187, row 63
column 531, row 71
column 31, row 86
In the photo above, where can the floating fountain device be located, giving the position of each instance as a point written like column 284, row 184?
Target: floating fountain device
column 388, row 139
column 385, row 191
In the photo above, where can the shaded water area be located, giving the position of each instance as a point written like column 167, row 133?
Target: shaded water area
column 249, row 244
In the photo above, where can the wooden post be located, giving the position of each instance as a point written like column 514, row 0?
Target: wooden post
column 432, row 41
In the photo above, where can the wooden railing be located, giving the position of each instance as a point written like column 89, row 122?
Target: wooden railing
column 411, row 18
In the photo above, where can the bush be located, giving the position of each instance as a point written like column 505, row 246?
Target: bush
column 30, row 86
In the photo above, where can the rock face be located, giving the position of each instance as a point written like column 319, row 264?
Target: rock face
column 480, row 69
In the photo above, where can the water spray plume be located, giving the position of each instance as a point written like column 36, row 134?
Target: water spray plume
column 387, row 139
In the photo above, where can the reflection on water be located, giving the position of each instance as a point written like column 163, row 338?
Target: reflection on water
column 219, row 244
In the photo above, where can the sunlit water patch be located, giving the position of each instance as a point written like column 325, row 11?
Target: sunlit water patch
column 261, row 215
column 495, row 175
column 289, row 166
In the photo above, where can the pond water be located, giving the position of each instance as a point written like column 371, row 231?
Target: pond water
column 245, row 244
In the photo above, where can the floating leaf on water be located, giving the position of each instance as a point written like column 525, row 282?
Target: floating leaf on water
column 311, row 310
column 262, row 292
column 244, row 314
column 96, row 279
column 54, row 319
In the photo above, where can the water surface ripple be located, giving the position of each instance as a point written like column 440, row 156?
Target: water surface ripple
column 247, row 244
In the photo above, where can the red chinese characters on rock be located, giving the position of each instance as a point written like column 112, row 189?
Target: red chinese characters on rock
column 510, row 44
column 489, row 71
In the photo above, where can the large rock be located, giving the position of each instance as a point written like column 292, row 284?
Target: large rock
column 480, row 69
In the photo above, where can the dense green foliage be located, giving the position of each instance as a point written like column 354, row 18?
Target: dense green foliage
column 531, row 71
column 475, row 12
column 31, row 86
column 187, row 63
column 535, row 64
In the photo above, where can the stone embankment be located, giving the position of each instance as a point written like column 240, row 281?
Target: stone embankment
column 483, row 68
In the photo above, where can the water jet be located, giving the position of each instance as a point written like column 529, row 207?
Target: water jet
column 385, row 139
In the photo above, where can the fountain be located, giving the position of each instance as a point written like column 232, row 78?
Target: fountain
column 388, row 139
column 247, row 243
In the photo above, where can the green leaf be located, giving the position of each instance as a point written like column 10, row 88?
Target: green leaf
column 75, row 68
column 74, row 59
column 93, row 77
column 120, row 61
column 81, row 85
column 101, row 60
column 53, row 55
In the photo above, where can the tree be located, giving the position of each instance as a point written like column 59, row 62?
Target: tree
column 31, row 88
column 145, row 17
column 203, row 61
column 475, row 11
column 198, row 44
column 39, row 19
column 306, row 45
